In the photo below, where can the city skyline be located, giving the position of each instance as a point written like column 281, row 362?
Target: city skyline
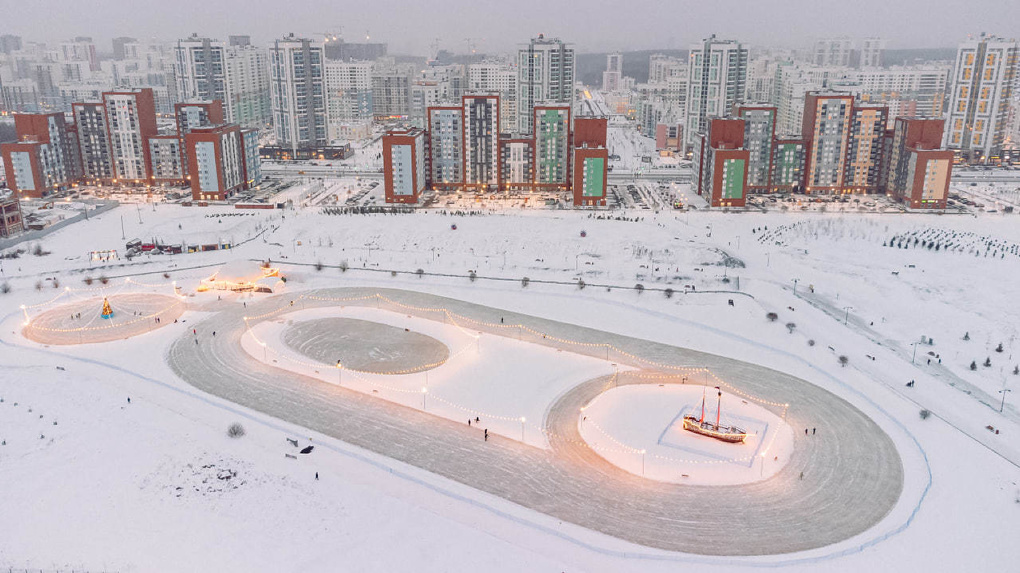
column 414, row 29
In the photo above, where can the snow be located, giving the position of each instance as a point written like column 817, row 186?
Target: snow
column 640, row 429
column 498, row 379
column 99, row 490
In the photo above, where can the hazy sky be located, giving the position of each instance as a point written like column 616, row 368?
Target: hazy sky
column 495, row 26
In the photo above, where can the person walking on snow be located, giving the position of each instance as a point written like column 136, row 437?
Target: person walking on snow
column 486, row 434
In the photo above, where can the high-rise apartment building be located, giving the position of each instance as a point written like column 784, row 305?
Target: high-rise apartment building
column 982, row 88
column 552, row 146
column 720, row 163
column 613, row 74
column 166, row 155
column 872, row 53
column 662, row 67
column 446, row 147
column 118, row 46
column 93, row 141
column 759, row 132
column 391, row 91
column 300, row 116
column 832, row 52
column 44, row 158
column 494, row 76
column 236, row 74
column 865, row 150
column 404, row 165
column 131, row 121
column 717, row 76
column 545, row 76
column 787, row 172
column 481, row 142
column 216, row 158
column 590, row 161
column 191, row 115
column 919, row 172
column 348, row 95
column 826, row 132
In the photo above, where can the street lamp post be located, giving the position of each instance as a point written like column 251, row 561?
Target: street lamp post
column 914, row 355
column 339, row 373
column 795, row 281
column 1003, row 403
column 424, row 392
column 846, row 317
column 522, row 428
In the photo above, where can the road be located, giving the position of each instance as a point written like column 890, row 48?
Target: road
column 852, row 473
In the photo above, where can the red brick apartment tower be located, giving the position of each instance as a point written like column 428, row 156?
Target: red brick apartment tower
column 215, row 161
column 404, row 165
column 189, row 115
column 590, row 161
column 590, row 131
column 43, row 159
column 919, row 169
column 23, row 169
column 826, row 133
column 722, row 163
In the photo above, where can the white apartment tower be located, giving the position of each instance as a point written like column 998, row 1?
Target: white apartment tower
column 300, row 116
column 494, row 76
column 982, row 87
column 545, row 75
column 717, row 78
column 872, row 52
column 832, row 52
column 238, row 75
column 348, row 94
column 613, row 74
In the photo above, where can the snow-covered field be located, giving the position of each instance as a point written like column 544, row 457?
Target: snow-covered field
column 99, row 490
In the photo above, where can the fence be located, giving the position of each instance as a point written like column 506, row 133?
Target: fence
column 36, row 235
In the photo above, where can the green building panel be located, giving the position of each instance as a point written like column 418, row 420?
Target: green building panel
column 594, row 172
column 733, row 178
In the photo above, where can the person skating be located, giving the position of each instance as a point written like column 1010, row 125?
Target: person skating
column 486, row 434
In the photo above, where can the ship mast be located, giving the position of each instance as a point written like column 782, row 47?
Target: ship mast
column 702, row 420
column 718, row 408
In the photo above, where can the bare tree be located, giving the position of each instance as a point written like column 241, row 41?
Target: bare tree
column 772, row 317
column 235, row 430
column 790, row 326
column 843, row 360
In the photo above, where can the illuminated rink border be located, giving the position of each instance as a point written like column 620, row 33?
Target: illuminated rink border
column 49, row 322
column 848, row 487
